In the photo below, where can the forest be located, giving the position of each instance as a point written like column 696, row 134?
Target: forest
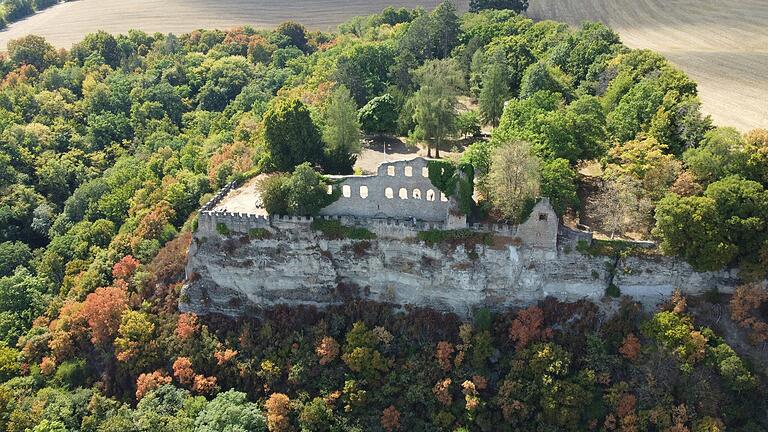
column 108, row 149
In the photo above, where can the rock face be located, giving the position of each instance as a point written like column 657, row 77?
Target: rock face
column 293, row 264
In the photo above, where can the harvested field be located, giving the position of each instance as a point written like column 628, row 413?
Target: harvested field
column 721, row 45
column 67, row 23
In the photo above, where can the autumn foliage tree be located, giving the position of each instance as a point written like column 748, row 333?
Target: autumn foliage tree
column 278, row 408
column 327, row 350
column 528, row 327
column 182, row 370
column 150, row 381
column 103, row 309
column 443, row 355
column 630, row 347
column 747, row 304
column 390, row 419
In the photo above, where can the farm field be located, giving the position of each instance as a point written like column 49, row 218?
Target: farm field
column 721, row 45
column 67, row 23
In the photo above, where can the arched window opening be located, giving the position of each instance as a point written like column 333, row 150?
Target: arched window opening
column 403, row 193
column 408, row 171
column 443, row 198
column 430, row 195
column 389, row 193
column 416, row 194
column 391, row 170
column 363, row 192
column 346, row 191
column 330, row 190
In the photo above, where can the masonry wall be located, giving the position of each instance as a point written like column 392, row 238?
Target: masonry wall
column 399, row 190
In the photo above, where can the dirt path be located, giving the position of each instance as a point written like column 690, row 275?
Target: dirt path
column 721, row 45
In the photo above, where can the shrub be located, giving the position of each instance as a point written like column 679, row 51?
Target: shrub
column 259, row 233
column 613, row 291
column 334, row 230
column 222, row 229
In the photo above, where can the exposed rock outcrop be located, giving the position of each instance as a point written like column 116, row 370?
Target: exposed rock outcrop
column 295, row 265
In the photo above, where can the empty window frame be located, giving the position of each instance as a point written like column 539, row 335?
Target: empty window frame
column 389, row 193
column 346, row 190
column 363, row 192
column 408, row 171
column 416, row 194
column 403, row 193
column 391, row 170
column 430, row 195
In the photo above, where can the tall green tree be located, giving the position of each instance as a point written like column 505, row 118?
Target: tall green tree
column 493, row 94
column 291, row 135
column 434, row 104
column 341, row 132
column 446, row 23
column 379, row 115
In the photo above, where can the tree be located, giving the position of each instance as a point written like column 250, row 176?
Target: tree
column 290, row 135
column 690, row 227
column 364, row 70
column 721, row 153
column 12, row 255
column 278, row 408
column 316, row 416
column 32, row 50
column 379, row 115
column 224, row 81
column 558, row 183
column 390, row 419
column 434, row 104
column 296, row 34
column 513, row 180
column 515, row 5
column 147, row 382
column 100, row 44
column 21, row 302
column 231, row 411
column 541, row 76
column 304, row 192
column 493, row 93
column 103, row 309
column 616, row 206
column 528, row 326
column 447, row 24
column 341, row 132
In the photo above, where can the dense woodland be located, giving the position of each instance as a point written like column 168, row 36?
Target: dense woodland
column 108, row 149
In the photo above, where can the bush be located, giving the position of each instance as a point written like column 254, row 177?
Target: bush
column 259, row 233
column 613, row 291
column 334, row 230
column 222, row 229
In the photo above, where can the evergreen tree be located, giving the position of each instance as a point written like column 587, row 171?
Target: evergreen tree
column 493, row 93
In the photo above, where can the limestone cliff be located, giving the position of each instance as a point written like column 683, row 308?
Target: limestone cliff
column 293, row 264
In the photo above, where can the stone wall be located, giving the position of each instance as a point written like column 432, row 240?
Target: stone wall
column 399, row 190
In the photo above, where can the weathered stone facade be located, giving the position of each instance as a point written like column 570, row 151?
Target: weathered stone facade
column 399, row 190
